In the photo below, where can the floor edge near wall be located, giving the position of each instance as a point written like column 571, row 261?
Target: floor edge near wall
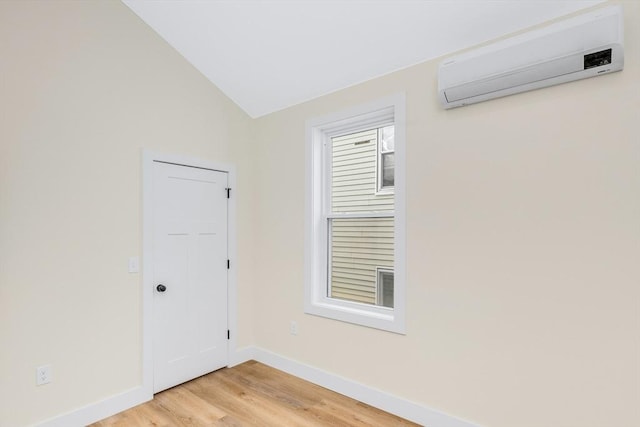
column 387, row 402
column 97, row 411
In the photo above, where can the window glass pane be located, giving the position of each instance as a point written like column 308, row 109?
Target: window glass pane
column 353, row 174
column 387, row 140
column 388, row 168
column 359, row 248
column 385, row 288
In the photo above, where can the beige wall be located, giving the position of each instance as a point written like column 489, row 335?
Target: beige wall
column 523, row 252
column 522, row 227
column 84, row 85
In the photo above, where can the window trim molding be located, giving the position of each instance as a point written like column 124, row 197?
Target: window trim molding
column 319, row 130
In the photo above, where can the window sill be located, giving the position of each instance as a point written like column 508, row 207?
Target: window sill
column 376, row 317
column 385, row 192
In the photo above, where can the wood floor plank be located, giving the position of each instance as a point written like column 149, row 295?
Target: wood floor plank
column 190, row 409
column 248, row 395
column 253, row 407
column 148, row 414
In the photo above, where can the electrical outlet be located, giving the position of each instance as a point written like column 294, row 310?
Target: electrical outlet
column 293, row 328
column 44, row 375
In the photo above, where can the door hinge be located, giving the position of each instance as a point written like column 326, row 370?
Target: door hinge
column 228, row 334
column 228, row 264
column 228, row 192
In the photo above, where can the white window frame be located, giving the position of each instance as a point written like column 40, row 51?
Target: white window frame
column 380, row 189
column 319, row 131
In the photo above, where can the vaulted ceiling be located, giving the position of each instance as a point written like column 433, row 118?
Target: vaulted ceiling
column 272, row 54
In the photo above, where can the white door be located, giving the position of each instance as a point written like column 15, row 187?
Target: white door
column 189, row 273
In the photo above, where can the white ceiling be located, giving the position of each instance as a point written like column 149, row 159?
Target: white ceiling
column 271, row 54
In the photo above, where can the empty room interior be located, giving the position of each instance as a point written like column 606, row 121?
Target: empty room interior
column 418, row 205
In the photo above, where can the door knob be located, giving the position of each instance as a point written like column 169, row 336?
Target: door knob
column 161, row 288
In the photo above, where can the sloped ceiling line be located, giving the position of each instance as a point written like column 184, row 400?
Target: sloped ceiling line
column 272, row 54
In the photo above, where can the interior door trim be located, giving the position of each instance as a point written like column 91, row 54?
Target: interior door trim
column 148, row 159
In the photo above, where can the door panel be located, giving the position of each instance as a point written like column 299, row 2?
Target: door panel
column 190, row 260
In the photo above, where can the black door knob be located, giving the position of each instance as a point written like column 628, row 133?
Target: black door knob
column 161, row 288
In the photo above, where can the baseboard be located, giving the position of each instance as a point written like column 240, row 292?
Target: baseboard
column 242, row 355
column 121, row 402
column 100, row 410
column 387, row 402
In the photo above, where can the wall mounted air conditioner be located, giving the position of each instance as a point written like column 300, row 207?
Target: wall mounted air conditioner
column 577, row 48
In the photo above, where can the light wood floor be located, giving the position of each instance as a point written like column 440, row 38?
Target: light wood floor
column 251, row 394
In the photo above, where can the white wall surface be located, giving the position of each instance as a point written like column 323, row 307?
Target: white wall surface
column 523, row 234
column 84, row 86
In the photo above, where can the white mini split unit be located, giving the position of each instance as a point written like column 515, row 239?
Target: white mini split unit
column 577, row 48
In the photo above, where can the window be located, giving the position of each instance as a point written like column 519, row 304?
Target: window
column 359, row 219
column 386, row 158
column 385, row 288
column 355, row 216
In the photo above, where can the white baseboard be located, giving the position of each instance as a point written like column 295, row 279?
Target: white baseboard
column 387, row 402
column 100, row 410
column 242, row 355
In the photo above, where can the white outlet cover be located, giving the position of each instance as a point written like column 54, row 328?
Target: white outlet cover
column 44, row 375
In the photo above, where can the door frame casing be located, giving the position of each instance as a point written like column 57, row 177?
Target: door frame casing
column 148, row 159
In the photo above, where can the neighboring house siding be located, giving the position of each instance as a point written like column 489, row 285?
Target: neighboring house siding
column 361, row 245
column 354, row 174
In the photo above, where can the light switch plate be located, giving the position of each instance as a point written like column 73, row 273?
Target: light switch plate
column 134, row 264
